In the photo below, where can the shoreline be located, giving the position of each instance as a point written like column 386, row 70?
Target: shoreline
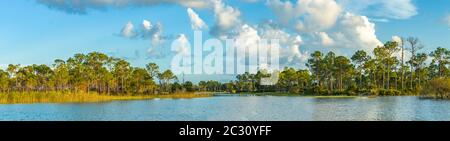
column 59, row 97
column 55, row 97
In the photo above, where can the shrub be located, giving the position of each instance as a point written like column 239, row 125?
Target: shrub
column 437, row 88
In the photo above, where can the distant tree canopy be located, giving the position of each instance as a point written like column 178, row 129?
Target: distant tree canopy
column 384, row 72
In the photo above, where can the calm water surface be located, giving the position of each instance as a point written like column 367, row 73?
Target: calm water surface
column 261, row 108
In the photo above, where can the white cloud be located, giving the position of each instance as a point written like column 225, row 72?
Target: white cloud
column 147, row 31
column 356, row 31
column 128, row 30
column 196, row 22
column 393, row 9
column 285, row 11
column 270, row 30
column 309, row 15
column 290, row 53
column 351, row 32
column 289, row 44
column 318, row 14
column 247, row 37
column 293, row 54
column 379, row 20
column 328, row 26
column 82, row 6
column 251, row 1
column 147, row 25
column 400, row 42
column 325, row 40
column 397, row 39
column 182, row 45
column 226, row 16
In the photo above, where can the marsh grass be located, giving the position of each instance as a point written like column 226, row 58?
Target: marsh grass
column 60, row 97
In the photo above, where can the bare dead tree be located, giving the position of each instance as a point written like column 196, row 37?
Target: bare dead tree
column 414, row 47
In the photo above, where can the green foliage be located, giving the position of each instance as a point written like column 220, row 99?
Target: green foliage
column 328, row 74
column 189, row 86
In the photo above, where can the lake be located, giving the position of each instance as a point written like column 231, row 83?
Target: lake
column 241, row 108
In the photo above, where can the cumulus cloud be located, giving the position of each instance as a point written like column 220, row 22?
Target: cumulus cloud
column 397, row 39
column 352, row 32
column 400, row 42
column 227, row 18
column 324, row 39
column 196, row 22
column 289, row 44
column 317, row 15
column 82, row 6
column 308, row 15
column 128, row 30
column 251, row 1
column 393, row 9
column 181, row 45
column 147, row 31
column 285, row 11
column 356, row 31
column 338, row 24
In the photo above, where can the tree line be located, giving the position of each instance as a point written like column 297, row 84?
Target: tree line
column 386, row 71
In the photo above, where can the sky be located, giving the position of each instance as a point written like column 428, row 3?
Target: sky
column 141, row 31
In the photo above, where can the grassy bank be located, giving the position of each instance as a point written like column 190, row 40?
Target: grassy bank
column 295, row 94
column 59, row 97
column 438, row 88
column 338, row 94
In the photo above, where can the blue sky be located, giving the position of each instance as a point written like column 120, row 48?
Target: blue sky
column 35, row 32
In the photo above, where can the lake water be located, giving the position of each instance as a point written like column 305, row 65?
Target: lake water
column 242, row 108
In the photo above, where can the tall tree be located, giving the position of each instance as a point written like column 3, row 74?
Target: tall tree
column 4, row 81
column 359, row 58
column 122, row 71
column 391, row 49
column 381, row 56
column 414, row 47
column 330, row 68
column 61, row 74
column 12, row 70
column 315, row 64
column 344, row 70
column 441, row 56
column 421, row 72
column 166, row 77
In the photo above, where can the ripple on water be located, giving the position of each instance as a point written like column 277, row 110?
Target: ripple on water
column 242, row 108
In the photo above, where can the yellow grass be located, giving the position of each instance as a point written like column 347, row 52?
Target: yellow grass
column 58, row 97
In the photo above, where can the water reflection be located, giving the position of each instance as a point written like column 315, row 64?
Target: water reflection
column 263, row 108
